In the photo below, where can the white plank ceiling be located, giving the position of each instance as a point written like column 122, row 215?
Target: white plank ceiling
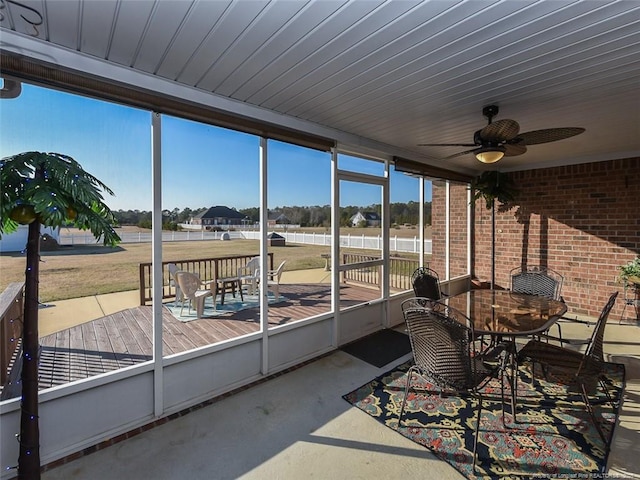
column 400, row 72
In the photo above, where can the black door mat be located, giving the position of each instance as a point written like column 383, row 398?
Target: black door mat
column 380, row 348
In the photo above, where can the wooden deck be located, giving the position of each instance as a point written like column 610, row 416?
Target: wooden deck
column 125, row 338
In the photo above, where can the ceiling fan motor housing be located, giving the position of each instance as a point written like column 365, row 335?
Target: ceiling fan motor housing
column 490, row 111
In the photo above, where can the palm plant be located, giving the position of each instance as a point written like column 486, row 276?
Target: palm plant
column 493, row 185
column 53, row 190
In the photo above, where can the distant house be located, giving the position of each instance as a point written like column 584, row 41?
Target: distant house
column 218, row 215
column 372, row 219
column 277, row 218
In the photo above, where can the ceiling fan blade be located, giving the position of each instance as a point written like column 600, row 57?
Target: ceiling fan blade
column 446, row 144
column 548, row 135
column 459, row 154
column 500, row 131
column 512, row 150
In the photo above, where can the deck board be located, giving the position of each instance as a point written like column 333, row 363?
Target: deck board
column 126, row 337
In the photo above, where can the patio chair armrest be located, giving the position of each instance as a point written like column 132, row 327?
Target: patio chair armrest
column 575, row 320
column 562, row 341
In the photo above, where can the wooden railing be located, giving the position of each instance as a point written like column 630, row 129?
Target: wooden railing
column 11, row 319
column 205, row 268
column 400, row 270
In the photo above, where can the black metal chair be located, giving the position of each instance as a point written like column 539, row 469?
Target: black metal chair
column 536, row 280
column 572, row 368
column 442, row 341
column 543, row 281
column 426, row 283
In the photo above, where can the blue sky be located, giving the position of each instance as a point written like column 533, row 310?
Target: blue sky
column 202, row 165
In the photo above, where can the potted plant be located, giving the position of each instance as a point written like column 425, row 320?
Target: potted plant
column 493, row 185
column 630, row 272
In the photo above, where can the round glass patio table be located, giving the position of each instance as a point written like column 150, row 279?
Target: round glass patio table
column 503, row 313
column 506, row 313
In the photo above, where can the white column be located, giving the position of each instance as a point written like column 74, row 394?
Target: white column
column 335, row 245
column 421, row 222
column 156, row 267
column 264, row 265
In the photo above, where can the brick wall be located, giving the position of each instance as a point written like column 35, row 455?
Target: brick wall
column 458, row 203
column 438, row 227
column 580, row 220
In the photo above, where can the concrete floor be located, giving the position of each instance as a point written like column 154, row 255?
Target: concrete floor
column 297, row 426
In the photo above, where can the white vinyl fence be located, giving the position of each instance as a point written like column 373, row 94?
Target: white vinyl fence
column 397, row 244
column 87, row 238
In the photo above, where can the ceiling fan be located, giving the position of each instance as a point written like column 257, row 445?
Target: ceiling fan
column 501, row 138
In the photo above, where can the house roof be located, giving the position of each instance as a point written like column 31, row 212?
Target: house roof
column 370, row 216
column 378, row 77
column 220, row 211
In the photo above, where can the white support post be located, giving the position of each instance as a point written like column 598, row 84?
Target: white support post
column 335, row 246
column 156, row 269
column 264, row 265
column 421, row 223
column 447, row 244
column 386, row 225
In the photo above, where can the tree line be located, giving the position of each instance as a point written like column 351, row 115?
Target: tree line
column 305, row 216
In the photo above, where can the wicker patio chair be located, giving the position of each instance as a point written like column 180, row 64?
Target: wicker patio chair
column 536, row 280
column 543, row 281
column 442, row 344
column 426, row 283
column 569, row 367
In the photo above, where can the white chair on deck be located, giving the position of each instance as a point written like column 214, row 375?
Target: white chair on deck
column 273, row 280
column 250, row 275
column 190, row 284
column 173, row 268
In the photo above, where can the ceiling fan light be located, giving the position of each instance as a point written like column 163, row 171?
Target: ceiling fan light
column 490, row 154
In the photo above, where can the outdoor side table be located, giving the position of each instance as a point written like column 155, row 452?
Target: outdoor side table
column 225, row 284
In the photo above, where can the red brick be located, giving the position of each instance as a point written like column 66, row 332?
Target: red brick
column 581, row 220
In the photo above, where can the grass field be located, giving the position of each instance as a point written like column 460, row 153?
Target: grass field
column 84, row 270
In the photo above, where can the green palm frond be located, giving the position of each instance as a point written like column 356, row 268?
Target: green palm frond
column 494, row 185
column 55, row 185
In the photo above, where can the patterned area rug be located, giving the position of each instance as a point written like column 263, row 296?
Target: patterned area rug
column 554, row 438
column 231, row 305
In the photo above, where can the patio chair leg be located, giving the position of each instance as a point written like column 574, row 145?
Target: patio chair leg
column 610, row 400
column 406, row 393
column 475, row 438
column 592, row 413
